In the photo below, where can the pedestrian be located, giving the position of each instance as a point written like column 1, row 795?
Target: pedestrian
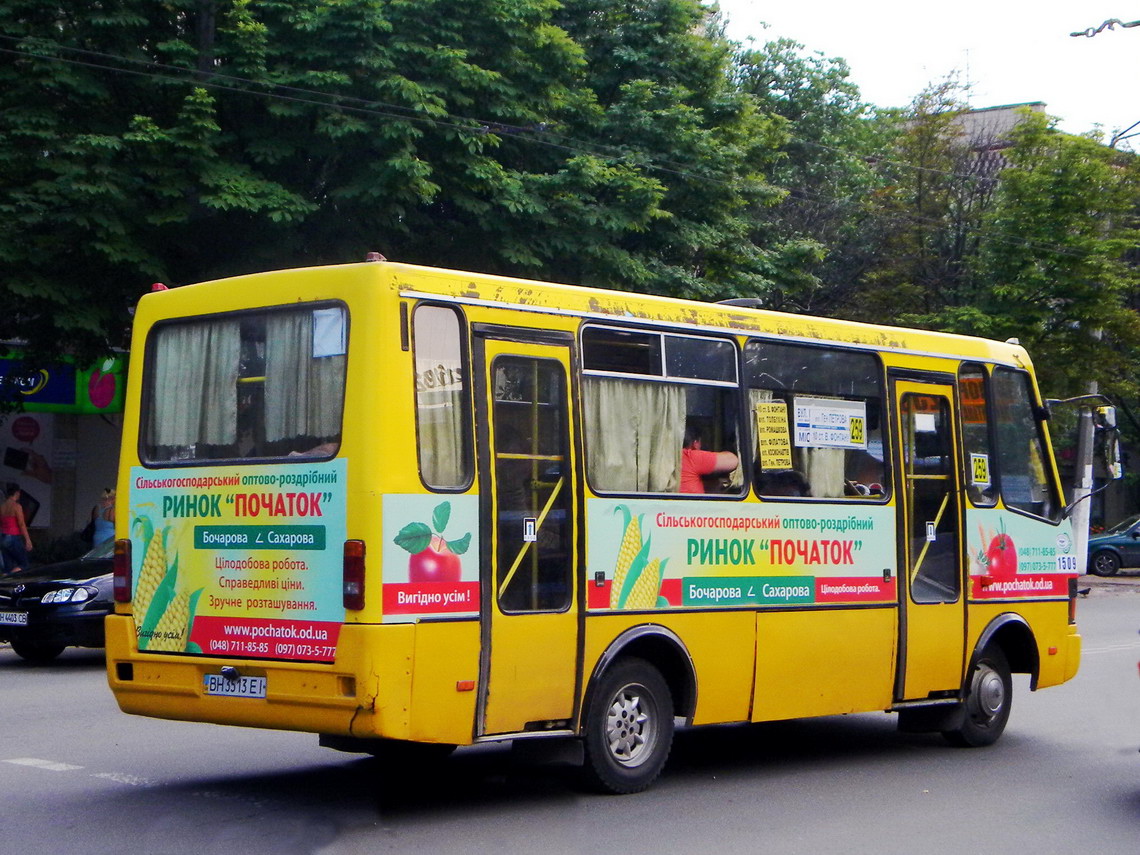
column 103, row 517
column 15, row 542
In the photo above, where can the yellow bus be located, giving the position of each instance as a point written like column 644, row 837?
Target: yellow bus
column 396, row 505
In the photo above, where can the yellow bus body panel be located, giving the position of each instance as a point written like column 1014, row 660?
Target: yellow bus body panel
column 719, row 644
column 811, row 663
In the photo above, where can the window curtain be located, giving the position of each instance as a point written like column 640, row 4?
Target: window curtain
column 440, row 413
column 634, row 431
column 196, row 398
column 824, row 470
column 303, row 393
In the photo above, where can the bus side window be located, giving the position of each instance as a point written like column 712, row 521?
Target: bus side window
column 443, row 435
column 815, row 421
column 1021, row 458
column 978, row 457
column 640, row 390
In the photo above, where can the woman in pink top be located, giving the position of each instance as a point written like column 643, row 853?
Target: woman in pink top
column 696, row 463
column 15, row 543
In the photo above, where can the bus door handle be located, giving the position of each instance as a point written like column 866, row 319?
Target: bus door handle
column 886, row 574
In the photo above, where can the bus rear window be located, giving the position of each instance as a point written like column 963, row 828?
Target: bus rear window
column 244, row 386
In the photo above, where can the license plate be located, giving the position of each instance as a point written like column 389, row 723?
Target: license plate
column 238, row 687
column 14, row 618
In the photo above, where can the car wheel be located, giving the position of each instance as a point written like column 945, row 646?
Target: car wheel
column 629, row 728
column 1104, row 563
column 989, row 695
column 37, row 651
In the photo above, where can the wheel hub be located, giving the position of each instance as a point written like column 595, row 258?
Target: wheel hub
column 629, row 728
column 988, row 693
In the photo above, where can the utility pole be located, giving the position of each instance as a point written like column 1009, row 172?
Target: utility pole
column 1083, row 478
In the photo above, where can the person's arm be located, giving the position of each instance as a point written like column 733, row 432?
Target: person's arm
column 726, row 461
column 23, row 527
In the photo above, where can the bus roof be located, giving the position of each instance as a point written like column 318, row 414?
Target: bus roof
column 550, row 298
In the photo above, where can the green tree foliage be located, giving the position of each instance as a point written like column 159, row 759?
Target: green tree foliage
column 828, row 218
column 596, row 142
column 1055, row 257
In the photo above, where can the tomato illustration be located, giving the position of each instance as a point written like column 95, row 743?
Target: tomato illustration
column 1001, row 557
column 437, row 563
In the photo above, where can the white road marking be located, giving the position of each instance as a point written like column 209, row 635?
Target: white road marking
column 50, row 765
column 1110, row 648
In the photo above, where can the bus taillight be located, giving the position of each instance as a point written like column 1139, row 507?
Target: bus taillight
column 121, row 564
column 1072, row 599
column 354, row 574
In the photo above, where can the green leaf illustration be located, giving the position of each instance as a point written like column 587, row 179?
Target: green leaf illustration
column 460, row 546
column 414, row 537
column 440, row 516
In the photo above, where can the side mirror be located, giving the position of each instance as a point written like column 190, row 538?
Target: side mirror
column 1105, row 417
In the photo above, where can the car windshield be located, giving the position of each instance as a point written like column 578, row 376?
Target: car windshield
column 103, row 549
column 1123, row 526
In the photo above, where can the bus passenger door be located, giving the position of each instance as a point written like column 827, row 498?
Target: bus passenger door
column 528, row 667
column 931, row 602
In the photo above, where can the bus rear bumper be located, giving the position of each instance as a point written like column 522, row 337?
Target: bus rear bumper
column 303, row 696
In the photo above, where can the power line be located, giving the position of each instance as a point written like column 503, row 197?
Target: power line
column 1109, row 25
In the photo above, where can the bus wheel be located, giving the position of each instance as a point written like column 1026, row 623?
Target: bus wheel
column 988, row 698
column 1104, row 563
column 629, row 728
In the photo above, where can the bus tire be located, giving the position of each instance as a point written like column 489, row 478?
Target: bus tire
column 628, row 728
column 989, row 695
column 1104, row 563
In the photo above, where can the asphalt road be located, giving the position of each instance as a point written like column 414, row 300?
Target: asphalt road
column 78, row 776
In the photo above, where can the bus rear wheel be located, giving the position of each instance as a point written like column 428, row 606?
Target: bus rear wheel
column 629, row 728
column 989, row 695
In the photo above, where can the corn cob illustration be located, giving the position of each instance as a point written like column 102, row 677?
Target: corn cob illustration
column 151, row 573
column 170, row 631
column 627, row 552
column 643, row 595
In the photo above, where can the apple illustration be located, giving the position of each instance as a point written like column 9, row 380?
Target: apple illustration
column 101, row 385
column 433, row 558
column 437, row 563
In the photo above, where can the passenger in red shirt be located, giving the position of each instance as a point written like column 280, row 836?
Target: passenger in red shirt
column 696, row 462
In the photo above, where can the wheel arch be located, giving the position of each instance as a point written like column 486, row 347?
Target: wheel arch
column 1011, row 632
column 660, row 647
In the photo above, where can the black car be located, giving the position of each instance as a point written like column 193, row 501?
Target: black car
column 44, row 610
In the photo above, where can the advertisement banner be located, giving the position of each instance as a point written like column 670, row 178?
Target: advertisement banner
column 239, row 561
column 1016, row 557
column 651, row 554
column 431, row 557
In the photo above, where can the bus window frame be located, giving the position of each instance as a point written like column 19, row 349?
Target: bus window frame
column 743, row 454
column 468, row 399
column 146, row 397
column 991, row 434
column 1048, row 462
column 884, row 423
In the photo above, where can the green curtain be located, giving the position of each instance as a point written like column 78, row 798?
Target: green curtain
column 634, row 431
